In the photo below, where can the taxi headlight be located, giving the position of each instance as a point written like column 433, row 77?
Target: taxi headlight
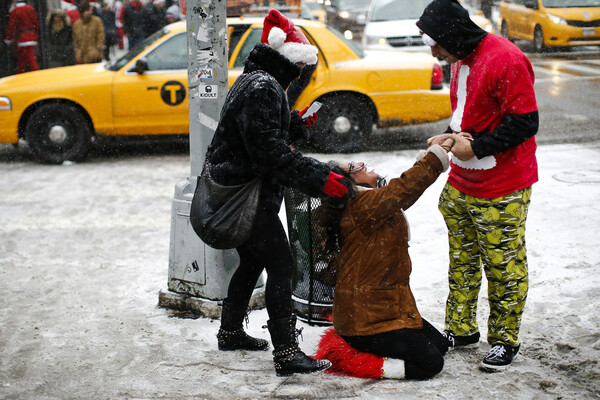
column 556, row 19
column 5, row 103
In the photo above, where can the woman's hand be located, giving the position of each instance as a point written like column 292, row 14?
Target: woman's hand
column 448, row 144
column 438, row 139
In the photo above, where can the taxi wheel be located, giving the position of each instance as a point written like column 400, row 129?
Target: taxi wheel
column 58, row 132
column 504, row 30
column 538, row 39
column 344, row 123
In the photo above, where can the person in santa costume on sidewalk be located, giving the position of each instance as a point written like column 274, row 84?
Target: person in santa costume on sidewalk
column 493, row 167
column 23, row 27
column 365, row 238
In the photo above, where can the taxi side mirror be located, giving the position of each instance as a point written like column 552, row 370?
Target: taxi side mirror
column 141, row 66
column 531, row 4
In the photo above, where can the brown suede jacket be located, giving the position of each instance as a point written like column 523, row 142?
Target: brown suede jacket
column 373, row 294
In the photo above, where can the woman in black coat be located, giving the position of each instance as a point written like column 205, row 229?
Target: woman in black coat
column 60, row 40
column 253, row 139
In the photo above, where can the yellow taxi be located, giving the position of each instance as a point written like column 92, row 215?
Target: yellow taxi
column 58, row 112
column 551, row 23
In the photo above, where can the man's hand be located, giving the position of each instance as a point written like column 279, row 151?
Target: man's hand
column 462, row 148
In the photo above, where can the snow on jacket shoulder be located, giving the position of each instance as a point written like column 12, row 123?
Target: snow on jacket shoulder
column 253, row 138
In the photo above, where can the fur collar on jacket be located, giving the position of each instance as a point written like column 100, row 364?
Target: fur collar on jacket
column 263, row 57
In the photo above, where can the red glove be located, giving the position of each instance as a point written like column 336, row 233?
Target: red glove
column 310, row 120
column 332, row 187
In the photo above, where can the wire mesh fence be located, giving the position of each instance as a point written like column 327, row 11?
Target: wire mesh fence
column 312, row 298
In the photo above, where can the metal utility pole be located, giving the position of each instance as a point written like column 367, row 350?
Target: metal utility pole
column 199, row 274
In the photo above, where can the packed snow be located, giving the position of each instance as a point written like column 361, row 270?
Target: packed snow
column 84, row 253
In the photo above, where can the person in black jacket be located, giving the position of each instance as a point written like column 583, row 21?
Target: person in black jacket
column 60, row 40
column 108, row 18
column 133, row 23
column 155, row 17
column 252, row 139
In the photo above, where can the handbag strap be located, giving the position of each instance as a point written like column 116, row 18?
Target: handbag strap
column 245, row 81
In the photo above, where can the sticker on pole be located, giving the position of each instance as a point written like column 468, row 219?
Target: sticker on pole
column 206, row 73
column 208, row 92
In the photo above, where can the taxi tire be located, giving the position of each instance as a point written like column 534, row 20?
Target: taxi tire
column 504, row 30
column 356, row 110
column 76, row 134
column 538, row 40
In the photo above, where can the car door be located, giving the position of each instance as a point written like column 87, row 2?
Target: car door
column 156, row 101
column 521, row 16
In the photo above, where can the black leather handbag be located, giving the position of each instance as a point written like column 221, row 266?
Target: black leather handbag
column 222, row 216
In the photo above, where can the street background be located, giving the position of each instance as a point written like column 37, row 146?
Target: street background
column 84, row 254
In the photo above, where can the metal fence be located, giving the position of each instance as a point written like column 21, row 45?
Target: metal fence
column 312, row 299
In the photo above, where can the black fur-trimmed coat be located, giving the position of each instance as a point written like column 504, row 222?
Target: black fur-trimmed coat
column 256, row 129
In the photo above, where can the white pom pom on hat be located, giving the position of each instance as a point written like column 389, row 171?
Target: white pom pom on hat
column 281, row 35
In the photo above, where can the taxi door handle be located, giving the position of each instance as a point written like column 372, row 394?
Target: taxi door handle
column 152, row 88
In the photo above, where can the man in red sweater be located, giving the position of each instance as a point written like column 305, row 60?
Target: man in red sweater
column 23, row 28
column 485, row 201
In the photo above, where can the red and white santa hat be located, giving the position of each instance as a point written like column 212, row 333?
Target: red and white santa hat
column 346, row 360
column 281, row 34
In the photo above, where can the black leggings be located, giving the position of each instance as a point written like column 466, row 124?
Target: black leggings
column 268, row 248
column 421, row 349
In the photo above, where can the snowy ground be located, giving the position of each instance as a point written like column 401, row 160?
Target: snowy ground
column 84, row 254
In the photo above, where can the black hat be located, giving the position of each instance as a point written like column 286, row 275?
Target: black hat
column 449, row 24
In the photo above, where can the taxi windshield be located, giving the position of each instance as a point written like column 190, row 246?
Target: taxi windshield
column 570, row 3
column 121, row 62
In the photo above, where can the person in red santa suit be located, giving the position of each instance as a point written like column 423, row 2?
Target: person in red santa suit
column 486, row 199
column 23, row 27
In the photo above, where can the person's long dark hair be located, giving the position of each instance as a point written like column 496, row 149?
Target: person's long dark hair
column 327, row 226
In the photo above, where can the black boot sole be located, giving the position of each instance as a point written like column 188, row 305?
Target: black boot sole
column 233, row 348
column 284, row 373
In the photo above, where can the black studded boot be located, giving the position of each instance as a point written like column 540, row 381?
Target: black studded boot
column 231, row 334
column 288, row 357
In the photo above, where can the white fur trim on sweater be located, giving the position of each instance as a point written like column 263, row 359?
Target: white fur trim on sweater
column 439, row 152
column 276, row 37
column 487, row 162
column 299, row 52
column 393, row 368
column 428, row 40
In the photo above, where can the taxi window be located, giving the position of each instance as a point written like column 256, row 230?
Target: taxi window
column 571, row 3
column 237, row 31
column 170, row 55
column 130, row 55
column 350, row 43
column 247, row 46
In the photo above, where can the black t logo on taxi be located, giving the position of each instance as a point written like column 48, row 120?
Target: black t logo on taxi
column 172, row 93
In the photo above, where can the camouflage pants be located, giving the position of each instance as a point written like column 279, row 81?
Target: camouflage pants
column 488, row 233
